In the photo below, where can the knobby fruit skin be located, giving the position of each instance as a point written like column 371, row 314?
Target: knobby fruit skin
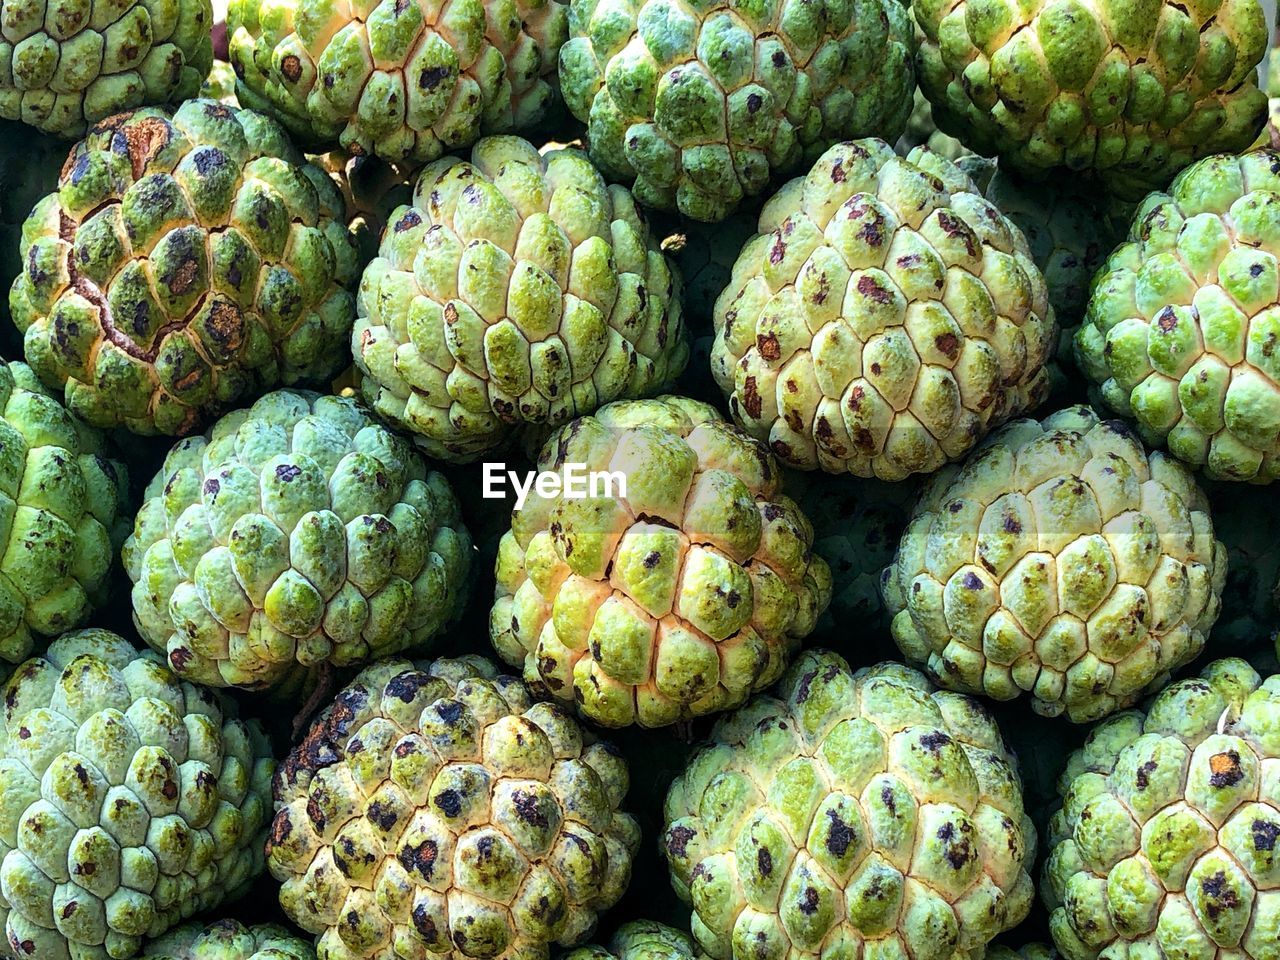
column 229, row 940
column 132, row 800
column 1165, row 842
column 679, row 598
column 185, row 262
column 61, row 504
column 1060, row 560
column 641, row 940
column 404, row 80
column 700, row 105
column 517, row 291
column 860, row 812
column 69, row 65
column 884, row 319
column 1183, row 321
column 435, row 809
column 1127, row 93
column 296, row 533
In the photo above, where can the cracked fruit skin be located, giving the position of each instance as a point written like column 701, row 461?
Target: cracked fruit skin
column 61, row 501
column 132, row 800
column 296, row 533
column 852, row 813
column 404, row 80
column 1165, row 844
column 1182, row 331
column 435, row 809
column 1126, row 92
column 678, row 599
column 518, row 290
column 186, row 262
column 884, row 319
column 1060, row 560
column 641, row 940
column 229, row 940
column 69, row 65
column 700, row 105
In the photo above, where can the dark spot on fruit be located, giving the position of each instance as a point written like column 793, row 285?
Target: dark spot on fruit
column 764, row 861
column 381, row 814
column 449, row 801
column 1225, row 769
column 839, row 835
column 678, row 839
column 1143, row 777
column 1265, row 834
column 420, row 858
column 291, row 68
column 288, row 472
column 808, row 904
column 972, row 581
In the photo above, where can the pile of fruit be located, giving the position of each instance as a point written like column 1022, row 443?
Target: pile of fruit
column 639, row 480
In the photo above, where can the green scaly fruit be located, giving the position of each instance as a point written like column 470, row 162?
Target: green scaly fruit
column 1126, row 93
column 1183, row 320
column 1060, row 560
column 435, row 809
column 404, row 81
column 296, row 533
column 860, row 812
column 641, row 940
column 700, row 105
column 62, row 502
column 132, row 800
column 885, row 318
column 184, row 263
column 516, row 292
column 69, row 65
column 229, row 940
column 675, row 595
column 1165, row 844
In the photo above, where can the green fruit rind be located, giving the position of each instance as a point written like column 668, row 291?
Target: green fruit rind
column 1165, row 842
column 435, row 809
column 185, row 262
column 699, row 106
column 404, row 81
column 61, row 500
column 1061, row 560
column 132, row 800
column 865, row 811
column 1127, row 92
column 229, row 940
column 641, row 940
column 297, row 532
column 517, row 290
column 885, row 318
column 1181, row 329
column 679, row 598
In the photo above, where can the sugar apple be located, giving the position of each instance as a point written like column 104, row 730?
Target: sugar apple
column 1182, row 323
column 1060, row 560
column 675, row 595
column 435, row 810
column 1165, row 843
column 1029, row 951
column 229, row 940
column 1247, row 521
column 855, row 814
column 240, row 586
column 184, row 262
column 1127, row 94
column 517, row 289
column 69, row 65
column 401, row 80
column 641, row 940
column 61, row 501
column 701, row 104
column 132, row 800
column 884, row 319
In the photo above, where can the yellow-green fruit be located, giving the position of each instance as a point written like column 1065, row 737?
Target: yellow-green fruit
column 229, row 940
column 404, row 80
column 1061, row 560
column 1127, row 93
column 434, row 810
column 860, row 814
column 885, row 318
column 132, row 800
column 641, row 940
column 517, row 290
column 681, row 584
column 1165, row 845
